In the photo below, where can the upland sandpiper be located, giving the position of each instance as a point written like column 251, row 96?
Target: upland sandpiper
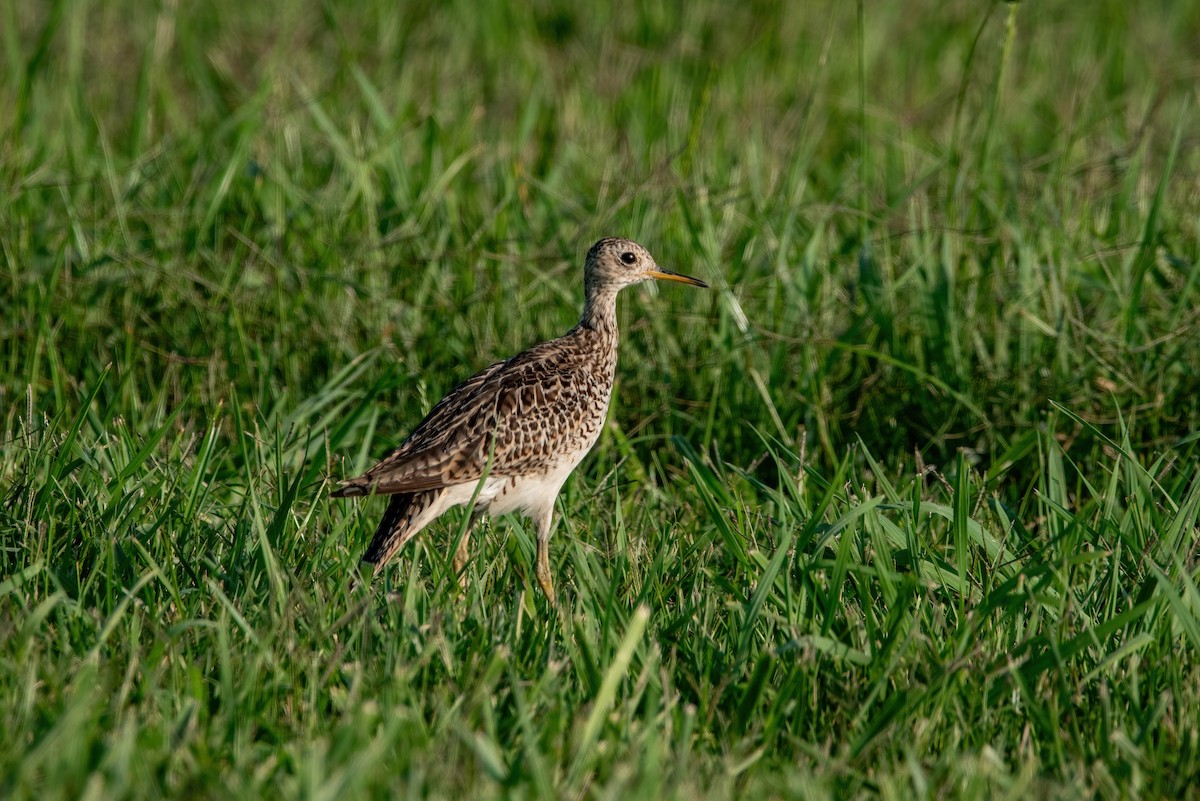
column 524, row 423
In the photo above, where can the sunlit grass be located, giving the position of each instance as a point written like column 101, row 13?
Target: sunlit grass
column 905, row 506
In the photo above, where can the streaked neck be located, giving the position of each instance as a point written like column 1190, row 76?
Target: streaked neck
column 600, row 311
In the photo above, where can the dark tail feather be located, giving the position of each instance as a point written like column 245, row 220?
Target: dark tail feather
column 389, row 536
column 395, row 529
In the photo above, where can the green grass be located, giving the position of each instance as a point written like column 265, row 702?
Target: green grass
column 906, row 506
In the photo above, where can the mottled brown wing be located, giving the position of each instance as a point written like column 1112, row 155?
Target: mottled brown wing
column 451, row 445
column 430, row 434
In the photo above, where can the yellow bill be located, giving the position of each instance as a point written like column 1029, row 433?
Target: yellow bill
column 668, row 275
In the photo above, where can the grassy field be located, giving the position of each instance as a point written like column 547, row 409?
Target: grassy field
column 907, row 505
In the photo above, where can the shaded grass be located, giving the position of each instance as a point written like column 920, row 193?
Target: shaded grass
column 905, row 506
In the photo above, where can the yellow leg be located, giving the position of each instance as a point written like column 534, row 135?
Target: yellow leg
column 543, row 570
column 460, row 558
column 544, row 523
column 462, row 554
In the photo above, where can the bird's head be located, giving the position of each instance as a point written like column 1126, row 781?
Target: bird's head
column 614, row 263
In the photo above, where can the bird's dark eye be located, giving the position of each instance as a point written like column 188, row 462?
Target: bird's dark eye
column 628, row 257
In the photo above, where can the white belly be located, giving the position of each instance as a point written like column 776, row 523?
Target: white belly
column 530, row 494
column 503, row 494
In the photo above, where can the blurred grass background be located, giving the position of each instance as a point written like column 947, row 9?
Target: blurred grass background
column 905, row 506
